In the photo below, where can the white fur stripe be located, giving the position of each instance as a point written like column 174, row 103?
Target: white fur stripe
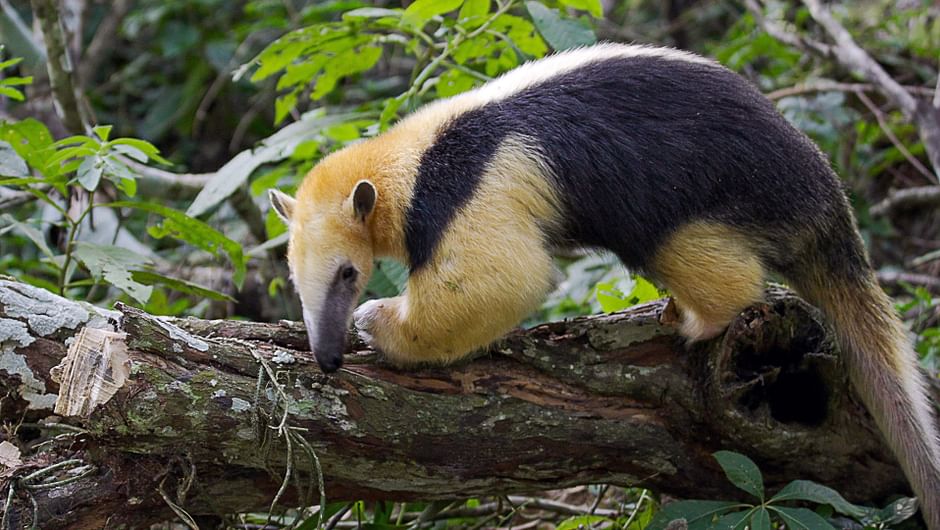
column 535, row 72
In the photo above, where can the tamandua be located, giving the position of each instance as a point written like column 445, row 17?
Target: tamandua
column 676, row 164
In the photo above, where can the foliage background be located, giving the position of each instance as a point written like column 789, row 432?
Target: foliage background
column 193, row 109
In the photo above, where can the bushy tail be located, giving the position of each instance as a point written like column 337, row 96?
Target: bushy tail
column 884, row 370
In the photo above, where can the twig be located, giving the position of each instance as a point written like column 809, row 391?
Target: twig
column 338, row 516
column 158, row 182
column 58, row 64
column 852, row 56
column 248, row 211
column 600, row 497
column 896, row 277
column 10, row 199
column 883, row 123
column 826, row 85
column 102, row 44
column 636, row 508
column 777, row 31
column 907, row 199
column 177, row 509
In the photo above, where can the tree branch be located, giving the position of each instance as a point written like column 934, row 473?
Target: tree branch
column 102, row 43
column 197, row 407
column 907, row 199
column 825, row 85
column 853, row 57
column 58, row 64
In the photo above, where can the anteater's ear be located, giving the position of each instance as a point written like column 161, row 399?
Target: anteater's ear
column 283, row 204
column 363, row 199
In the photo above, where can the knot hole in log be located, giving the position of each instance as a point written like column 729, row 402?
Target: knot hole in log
column 778, row 360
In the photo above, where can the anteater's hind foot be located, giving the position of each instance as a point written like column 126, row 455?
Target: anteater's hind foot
column 713, row 273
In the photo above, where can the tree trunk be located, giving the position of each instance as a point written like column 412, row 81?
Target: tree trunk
column 207, row 415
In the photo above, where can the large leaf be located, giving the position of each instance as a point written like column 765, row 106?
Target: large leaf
column 733, row 521
column 29, row 138
column 805, row 490
column 761, row 519
column 153, row 278
column 276, row 147
column 561, row 33
column 801, row 519
column 698, row 514
column 30, row 232
column 193, row 231
column 742, row 472
column 114, row 265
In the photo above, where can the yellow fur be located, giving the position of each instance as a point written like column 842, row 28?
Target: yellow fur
column 488, row 272
column 713, row 274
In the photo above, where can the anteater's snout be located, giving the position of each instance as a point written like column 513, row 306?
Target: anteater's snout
column 329, row 362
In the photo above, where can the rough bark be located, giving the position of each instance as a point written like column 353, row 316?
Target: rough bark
column 613, row 398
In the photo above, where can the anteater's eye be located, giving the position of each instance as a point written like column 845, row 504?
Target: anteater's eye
column 348, row 273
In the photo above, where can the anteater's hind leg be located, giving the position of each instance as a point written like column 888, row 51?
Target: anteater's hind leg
column 712, row 272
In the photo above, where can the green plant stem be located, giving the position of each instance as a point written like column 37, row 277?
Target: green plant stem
column 64, row 276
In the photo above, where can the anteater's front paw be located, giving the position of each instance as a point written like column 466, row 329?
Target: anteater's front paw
column 366, row 318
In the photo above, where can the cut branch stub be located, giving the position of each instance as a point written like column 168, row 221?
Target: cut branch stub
column 94, row 368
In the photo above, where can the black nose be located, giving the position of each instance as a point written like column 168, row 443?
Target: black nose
column 330, row 363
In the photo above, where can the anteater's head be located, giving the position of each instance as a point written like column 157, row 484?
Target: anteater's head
column 330, row 255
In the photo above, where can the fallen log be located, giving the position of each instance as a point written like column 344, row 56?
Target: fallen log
column 156, row 416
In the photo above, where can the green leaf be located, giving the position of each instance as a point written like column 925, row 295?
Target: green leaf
column 473, row 10
column 138, row 145
column 742, row 472
column 733, row 521
column 579, row 521
column 761, row 519
column 276, row 147
column 805, row 490
column 390, row 111
column 30, row 232
column 10, row 62
column 612, row 299
column 892, row 514
column 698, row 514
column 801, row 519
column 344, row 64
column 16, row 81
column 561, row 33
column 89, row 172
column 454, row 82
column 153, row 278
column 591, row 6
column 11, row 163
column 388, row 278
column 102, row 131
column 12, row 93
column 29, row 138
column 113, row 265
column 421, row 11
column 131, row 152
column 193, row 231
